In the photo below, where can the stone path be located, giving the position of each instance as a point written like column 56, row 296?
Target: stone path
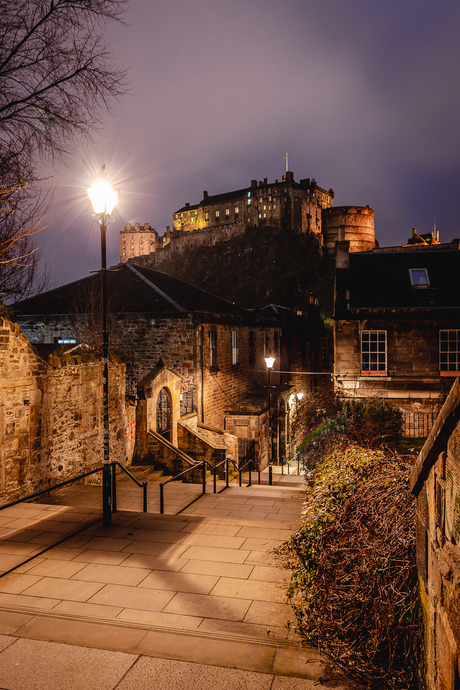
column 194, row 599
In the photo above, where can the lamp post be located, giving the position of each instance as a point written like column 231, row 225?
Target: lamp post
column 103, row 199
column 269, row 362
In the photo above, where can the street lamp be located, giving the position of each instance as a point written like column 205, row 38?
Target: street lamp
column 103, row 199
column 269, row 362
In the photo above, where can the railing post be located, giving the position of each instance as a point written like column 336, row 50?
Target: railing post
column 113, row 467
column 204, row 476
column 226, row 471
column 145, row 484
column 250, row 475
column 258, row 472
column 162, row 503
column 239, row 474
column 215, row 479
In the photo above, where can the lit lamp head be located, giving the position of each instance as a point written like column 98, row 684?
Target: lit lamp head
column 299, row 396
column 103, row 197
column 269, row 361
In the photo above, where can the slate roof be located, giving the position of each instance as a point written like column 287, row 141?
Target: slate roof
column 381, row 279
column 131, row 289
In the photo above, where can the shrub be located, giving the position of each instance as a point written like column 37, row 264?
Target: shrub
column 373, row 422
column 354, row 581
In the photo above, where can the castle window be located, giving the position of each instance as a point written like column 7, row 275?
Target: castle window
column 249, row 193
column 260, row 215
column 206, row 217
column 449, row 352
column 217, row 214
column 227, row 211
column 265, row 215
column 237, row 210
column 123, row 253
column 265, row 208
column 274, row 206
column 249, row 202
column 374, row 353
column 269, row 198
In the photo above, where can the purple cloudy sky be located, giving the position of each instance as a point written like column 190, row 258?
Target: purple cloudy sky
column 364, row 95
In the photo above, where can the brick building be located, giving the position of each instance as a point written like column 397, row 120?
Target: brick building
column 397, row 326
column 211, row 351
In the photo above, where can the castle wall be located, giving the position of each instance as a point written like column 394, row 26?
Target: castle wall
column 352, row 223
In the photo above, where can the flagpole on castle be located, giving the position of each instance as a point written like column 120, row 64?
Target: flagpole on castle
column 287, row 162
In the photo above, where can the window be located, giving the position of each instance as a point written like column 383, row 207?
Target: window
column 237, row 210
column 419, row 277
column 217, row 214
column 213, row 348
column 252, row 348
column 235, row 359
column 374, row 353
column 449, row 352
column 249, row 202
column 206, row 216
column 227, row 212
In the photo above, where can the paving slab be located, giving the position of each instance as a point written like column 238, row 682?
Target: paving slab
column 72, row 668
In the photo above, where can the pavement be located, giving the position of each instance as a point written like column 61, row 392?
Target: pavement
column 175, row 601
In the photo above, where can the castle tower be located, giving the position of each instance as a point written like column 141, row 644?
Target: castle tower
column 353, row 223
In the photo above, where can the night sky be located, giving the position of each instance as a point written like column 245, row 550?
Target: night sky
column 364, row 96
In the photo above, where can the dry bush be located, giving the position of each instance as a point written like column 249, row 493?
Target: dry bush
column 354, row 582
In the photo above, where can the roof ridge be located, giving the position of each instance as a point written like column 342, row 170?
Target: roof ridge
column 155, row 287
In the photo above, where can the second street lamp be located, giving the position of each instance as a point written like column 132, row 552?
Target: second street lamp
column 269, row 362
column 104, row 198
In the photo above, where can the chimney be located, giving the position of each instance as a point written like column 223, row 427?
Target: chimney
column 253, row 183
column 205, row 195
column 187, row 205
column 342, row 254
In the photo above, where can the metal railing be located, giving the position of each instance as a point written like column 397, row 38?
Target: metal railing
column 49, row 489
column 181, row 474
column 241, row 469
column 289, row 462
column 114, row 486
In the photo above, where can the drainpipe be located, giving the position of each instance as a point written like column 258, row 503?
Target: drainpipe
column 202, row 374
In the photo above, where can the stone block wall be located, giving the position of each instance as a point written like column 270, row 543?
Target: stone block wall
column 413, row 379
column 51, row 416
column 435, row 480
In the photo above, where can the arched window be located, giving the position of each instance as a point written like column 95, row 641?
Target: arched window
column 164, row 414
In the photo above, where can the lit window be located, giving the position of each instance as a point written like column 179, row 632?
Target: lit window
column 260, row 215
column 269, row 198
column 237, row 210
column 373, row 353
column 206, row 217
column 249, row 202
column 449, row 352
column 235, row 347
column 227, row 211
column 265, row 208
column 217, row 214
column 265, row 215
column 213, row 348
column 123, row 253
column 274, row 206
column 419, row 277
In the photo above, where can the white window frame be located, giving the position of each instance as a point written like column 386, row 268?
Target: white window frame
column 449, row 351
column 374, row 353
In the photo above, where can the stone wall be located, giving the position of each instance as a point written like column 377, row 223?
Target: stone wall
column 51, row 416
column 412, row 379
column 435, row 480
column 183, row 345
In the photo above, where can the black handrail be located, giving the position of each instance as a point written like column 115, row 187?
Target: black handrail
column 240, row 472
column 51, row 488
column 114, row 485
column 189, row 469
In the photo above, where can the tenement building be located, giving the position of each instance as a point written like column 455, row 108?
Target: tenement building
column 302, row 206
column 397, row 326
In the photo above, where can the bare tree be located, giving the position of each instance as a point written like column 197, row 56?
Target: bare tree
column 23, row 208
column 55, row 75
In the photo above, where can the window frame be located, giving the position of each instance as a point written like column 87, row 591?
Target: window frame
column 235, row 349
column 213, row 349
column 377, row 356
column 416, row 285
column 452, row 355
